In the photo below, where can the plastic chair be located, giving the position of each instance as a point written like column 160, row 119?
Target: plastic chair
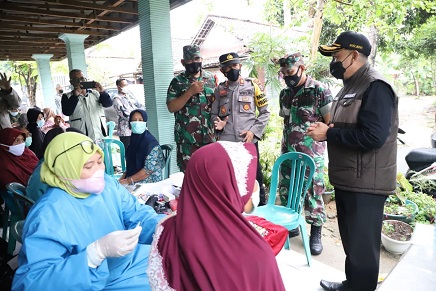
column 167, row 149
column 106, row 144
column 302, row 170
column 16, row 212
column 110, row 127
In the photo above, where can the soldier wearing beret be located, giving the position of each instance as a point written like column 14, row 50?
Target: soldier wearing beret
column 234, row 109
column 190, row 96
column 303, row 102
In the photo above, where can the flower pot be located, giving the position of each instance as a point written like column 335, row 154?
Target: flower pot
column 327, row 196
column 404, row 218
column 396, row 247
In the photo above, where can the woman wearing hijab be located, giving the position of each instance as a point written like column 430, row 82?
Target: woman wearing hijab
column 209, row 244
column 87, row 232
column 36, row 121
column 17, row 161
column 36, row 188
column 144, row 157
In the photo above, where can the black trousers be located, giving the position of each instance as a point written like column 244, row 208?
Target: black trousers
column 360, row 217
column 259, row 178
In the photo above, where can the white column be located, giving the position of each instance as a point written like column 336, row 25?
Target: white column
column 75, row 50
column 44, row 72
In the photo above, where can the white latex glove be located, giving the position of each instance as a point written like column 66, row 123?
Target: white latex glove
column 115, row 244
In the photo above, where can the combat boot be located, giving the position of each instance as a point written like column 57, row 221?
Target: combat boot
column 315, row 240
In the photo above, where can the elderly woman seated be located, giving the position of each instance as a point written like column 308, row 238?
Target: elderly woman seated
column 144, row 157
column 87, row 232
column 17, row 161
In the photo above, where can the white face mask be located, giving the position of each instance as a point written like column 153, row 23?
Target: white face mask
column 16, row 150
column 125, row 90
column 13, row 113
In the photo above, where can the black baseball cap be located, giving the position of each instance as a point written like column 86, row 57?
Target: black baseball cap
column 229, row 59
column 348, row 40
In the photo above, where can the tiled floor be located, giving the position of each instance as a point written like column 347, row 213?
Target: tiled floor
column 297, row 275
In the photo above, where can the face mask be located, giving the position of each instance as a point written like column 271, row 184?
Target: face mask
column 193, row 68
column 138, row 127
column 13, row 113
column 16, row 150
column 233, row 75
column 28, row 141
column 40, row 123
column 337, row 69
column 94, row 184
column 125, row 90
column 292, row 81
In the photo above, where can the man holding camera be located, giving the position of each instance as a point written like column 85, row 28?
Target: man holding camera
column 84, row 105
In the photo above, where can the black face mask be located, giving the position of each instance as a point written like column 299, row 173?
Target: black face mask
column 233, row 75
column 337, row 69
column 193, row 68
column 292, row 81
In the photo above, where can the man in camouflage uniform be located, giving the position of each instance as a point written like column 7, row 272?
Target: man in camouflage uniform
column 234, row 109
column 303, row 102
column 190, row 96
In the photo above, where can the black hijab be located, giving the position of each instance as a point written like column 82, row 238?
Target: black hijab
column 37, row 134
column 139, row 148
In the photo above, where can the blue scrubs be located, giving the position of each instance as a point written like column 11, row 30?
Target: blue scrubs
column 60, row 227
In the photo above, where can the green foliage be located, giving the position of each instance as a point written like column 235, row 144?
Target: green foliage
column 273, row 12
column 426, row 204
column 328, row 187
column 269, row 147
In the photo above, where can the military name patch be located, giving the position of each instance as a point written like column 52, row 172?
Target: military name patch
column 350, row 96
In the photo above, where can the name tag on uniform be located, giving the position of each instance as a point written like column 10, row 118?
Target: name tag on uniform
column 348, row 96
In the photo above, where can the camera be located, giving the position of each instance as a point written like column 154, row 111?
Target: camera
column 87, row 85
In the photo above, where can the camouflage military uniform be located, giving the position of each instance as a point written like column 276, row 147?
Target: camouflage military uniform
column 193, row 127
column 311, row 102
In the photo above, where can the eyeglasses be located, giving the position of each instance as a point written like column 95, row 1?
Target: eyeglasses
column 77, row 80
column 87, row 147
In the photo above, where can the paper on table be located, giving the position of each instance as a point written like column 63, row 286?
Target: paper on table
column 177, row 179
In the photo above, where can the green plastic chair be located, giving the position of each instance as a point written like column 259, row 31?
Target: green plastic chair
column 107, row 144
column 16, row 210
column 167, row 149
column 302, row 170
column 110, row 127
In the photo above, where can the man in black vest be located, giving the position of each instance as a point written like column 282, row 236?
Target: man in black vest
column 362, row 149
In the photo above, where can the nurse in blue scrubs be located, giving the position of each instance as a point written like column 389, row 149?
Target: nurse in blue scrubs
column 87, row 232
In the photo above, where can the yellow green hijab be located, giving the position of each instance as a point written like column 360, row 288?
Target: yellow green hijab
column 68, row 165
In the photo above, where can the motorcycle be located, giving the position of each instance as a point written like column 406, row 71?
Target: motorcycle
column 422, row 168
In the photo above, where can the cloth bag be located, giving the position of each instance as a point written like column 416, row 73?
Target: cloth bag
column 275, row 235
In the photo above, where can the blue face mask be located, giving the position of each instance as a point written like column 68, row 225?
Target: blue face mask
column 28, row 141
column 13, row 113
column 138, row 127
column 40, row 123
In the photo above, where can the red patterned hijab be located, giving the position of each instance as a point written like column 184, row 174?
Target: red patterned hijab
column 15, row 168
column 209, row 245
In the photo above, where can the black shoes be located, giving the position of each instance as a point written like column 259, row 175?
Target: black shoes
column 335, row 286
column 295, row 232
column 315, row 240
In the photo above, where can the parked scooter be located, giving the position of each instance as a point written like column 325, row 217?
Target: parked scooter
column 422, row 168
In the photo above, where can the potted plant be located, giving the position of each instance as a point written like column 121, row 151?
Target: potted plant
column 329, row 191
column 399, row 208
column 396, row 236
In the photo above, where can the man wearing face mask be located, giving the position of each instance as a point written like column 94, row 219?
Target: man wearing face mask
column 124, row 103
column 9, row 101
column 303, row 102
column 18, row 162
column 234, row 109
column 190, row 96
column 362, row 148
